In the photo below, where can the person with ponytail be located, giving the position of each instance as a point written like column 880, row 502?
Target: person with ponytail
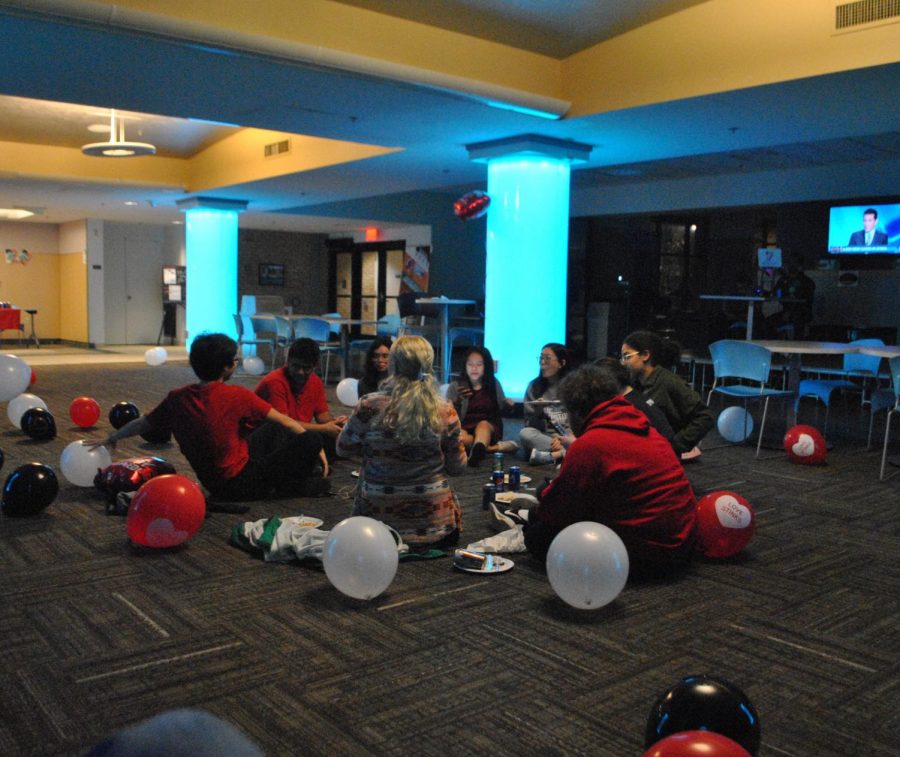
column 409, row 440
column 645, row 355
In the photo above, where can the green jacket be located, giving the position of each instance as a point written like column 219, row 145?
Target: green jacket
column 684, row 409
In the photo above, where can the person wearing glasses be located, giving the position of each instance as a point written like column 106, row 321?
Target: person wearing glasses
column 479, row 401
column 299, row 393
column 546, row 431
column 645, row 355
column 408, row 439
column 208, row 420
column 376, row 367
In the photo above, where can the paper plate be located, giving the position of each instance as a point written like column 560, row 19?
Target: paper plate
column 523, row 479
column 354, row 473
column 493, row 563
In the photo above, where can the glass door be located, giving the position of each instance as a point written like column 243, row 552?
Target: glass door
column 367, row 280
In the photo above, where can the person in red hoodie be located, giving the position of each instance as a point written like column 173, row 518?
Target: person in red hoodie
column 620, row 472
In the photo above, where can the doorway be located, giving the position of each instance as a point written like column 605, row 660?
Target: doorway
column 366, row 279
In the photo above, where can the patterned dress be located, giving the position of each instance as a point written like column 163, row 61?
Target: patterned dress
column 405, row 485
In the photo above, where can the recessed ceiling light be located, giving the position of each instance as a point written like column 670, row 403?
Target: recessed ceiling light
column 15, row 214
column 130, row 202
column 99, row 128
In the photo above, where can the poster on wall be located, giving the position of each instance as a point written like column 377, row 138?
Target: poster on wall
column 174, row 279
column 416, row 268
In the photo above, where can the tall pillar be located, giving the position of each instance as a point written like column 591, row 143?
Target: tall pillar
column 527, row 250
column 211, row 248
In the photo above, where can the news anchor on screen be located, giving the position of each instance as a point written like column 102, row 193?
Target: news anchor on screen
column 868, row 236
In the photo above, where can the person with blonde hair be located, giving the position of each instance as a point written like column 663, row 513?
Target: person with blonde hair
column 409, row 440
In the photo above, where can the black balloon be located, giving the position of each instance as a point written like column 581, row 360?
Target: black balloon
column 29, row 489
column 704, row 702
column 154, row 436
column 122, row 413
column 38, row 424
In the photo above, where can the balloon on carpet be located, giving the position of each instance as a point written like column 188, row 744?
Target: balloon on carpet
column 587, row 565
column 725, row 524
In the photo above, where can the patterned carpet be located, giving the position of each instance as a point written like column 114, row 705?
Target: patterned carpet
column 98, row 634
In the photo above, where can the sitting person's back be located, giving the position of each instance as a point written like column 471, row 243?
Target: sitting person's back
column 408, row 439
column 619, row 472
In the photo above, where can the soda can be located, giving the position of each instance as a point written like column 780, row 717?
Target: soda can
column 498, row 462
column 488, row 492
column 515, row 478
column 499, row 480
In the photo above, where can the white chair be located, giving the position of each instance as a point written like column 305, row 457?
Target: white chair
column 247, row 334
column 319, row 330
column 276, row 328
column 886, row 399
column 734, row 359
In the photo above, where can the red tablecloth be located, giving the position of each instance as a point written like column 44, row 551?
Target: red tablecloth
column 10, row 318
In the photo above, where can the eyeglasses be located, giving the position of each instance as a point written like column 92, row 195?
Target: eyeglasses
column 626, row 356
column 547, row 358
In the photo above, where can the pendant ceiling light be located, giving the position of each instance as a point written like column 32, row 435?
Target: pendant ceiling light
column 117, row 146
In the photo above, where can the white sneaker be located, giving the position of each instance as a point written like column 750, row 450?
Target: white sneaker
column 539, row 457
column 508, row 447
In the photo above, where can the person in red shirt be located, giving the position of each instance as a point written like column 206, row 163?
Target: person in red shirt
column 620, row 472
column 208, row 421
column 299, row 393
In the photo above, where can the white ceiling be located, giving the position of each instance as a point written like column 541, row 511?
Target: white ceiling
column 196, row 91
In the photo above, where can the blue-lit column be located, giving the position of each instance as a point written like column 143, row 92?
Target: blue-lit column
column 211, row 248
column 527, row 250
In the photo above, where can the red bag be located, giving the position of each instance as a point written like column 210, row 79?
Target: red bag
column 130, row 475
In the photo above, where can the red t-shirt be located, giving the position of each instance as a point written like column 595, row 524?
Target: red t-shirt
column 207, row 422
column 304, row 407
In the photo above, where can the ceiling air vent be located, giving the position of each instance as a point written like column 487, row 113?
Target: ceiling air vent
column 284, row 146
column 849, row 16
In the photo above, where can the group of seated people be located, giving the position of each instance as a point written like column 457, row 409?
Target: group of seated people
column 618, row 427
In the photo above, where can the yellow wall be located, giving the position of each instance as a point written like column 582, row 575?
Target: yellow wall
column 34, row 285
column 73, row 297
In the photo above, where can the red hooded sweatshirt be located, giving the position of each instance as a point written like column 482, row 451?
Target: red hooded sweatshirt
column 622, row 473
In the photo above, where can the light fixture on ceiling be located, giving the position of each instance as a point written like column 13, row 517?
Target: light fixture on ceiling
column 117, row 146
column 17, row 214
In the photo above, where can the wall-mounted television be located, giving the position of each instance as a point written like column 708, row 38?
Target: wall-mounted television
column 872, row 229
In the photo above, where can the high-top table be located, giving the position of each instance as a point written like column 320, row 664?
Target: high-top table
column 751, row 301
column 444, row 303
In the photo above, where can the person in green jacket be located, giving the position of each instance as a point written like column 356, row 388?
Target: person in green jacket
column 645, row 355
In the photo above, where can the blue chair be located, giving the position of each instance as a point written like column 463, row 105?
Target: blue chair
column 319, row 330
column 734, row 359
column 246, row 333
column 888, row 399
column 864, row 367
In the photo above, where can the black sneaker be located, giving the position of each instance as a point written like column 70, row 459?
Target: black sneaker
column 477, row 454
column 215, row 506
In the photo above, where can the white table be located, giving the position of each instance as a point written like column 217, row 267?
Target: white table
column 444, row 304
column 887, row 351
column 750, row 300
column 793, row 349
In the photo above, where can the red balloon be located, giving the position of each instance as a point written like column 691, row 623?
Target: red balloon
column 33, row 378
column 696, row 744
column 805, row 445
column 471, row 205
column 166, row 511
column 84, row 411
column 725, row 524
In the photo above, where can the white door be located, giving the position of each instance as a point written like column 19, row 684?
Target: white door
column 143, row 290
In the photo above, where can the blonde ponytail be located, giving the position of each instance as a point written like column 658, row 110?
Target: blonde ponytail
column 415, row 405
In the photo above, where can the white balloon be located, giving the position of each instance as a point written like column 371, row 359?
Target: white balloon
column 15, row 377
column 254, row 365
column 79, row 464
column 587, row 565
column 156, row 356
column 348, row 392
column 735, row 424
column 360, row 557
column 18, row 405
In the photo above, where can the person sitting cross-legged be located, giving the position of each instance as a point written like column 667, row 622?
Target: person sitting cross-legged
column 299, row 393
column 620, row 472
column 209, row 420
